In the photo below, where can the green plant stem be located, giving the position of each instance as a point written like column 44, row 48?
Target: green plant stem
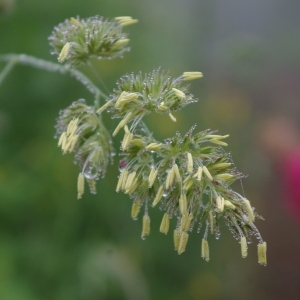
column 45, row 65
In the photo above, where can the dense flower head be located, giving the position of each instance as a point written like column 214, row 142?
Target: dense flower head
column 142, row 94
column 189, row 177
column 76, row 40
column 80, row 131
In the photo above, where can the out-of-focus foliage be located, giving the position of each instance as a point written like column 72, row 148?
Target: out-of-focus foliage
column 55, row 247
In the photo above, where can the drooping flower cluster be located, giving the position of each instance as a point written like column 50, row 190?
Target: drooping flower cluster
column 80, row 130
column 189, row 177
column 139, row 95
column 76, row 40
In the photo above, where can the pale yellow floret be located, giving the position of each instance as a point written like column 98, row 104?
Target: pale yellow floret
column 220, row 203
column 207, row 173
column 176, row 238
column 189, row 162
column 152, row 177
column 176, row 172
column 75, row 22
column 135, row 209
column 126, row 140
column 205, row 250
column 218, row 142
column 224, row 176
column 262, row 253
column 129, row 97
column 244, row 247
column 182, row 242
column 153, row 147
column 120, row 98
column 137, row 142
column 172, row 117
column 229, row 204
column 72, row 127
column 183, row 203
column 211, row 221
column 121, row 180
column 71, row 142
column 64, row 52
column 165, row 224
column 221, row 166
column 158, row 195
column 122, row 123
column 80, row 185
column 105, row 106
column 180, row 94
column 162, row 106
column 146, row 226
column 216, row 136
column 124, row 175
column 249, row 211
column 192, row 75
column 120, row 43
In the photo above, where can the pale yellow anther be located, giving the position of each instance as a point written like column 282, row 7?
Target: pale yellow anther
column 221, row 166
column 207, row 173
column 262, row 253
column 124, row 176
column 192, row 75
column 170, row 178
column 244, row 247
column 182, row 242
column 64, row 52
column 152, row 177
column 146, row 226
column 165, row 224
column 198, row 174
column 183, row 203
column 187, row 183
column 72, row 127
column 153, row 147
column 135, row 184
column 120, row 98
column 216, row 136
column 120, row 43
column 249, row 211
column 126, row 140
column 190, row 163
column 129, row 180
column 176, row 172
column 185, row 221
column 92, row 185
column 105, row 106
column 62, row 139
column 218, row 142
column 211, row 222
column 172, row 117
column 135, row 209
column 220, row 203
column 158, row 196
column 180, row 94
column 162, row 106
column 137, row 142
column 72, row 142
column 121, row 180
column 122, row 123
column 229, row 204
column 126, row 98
column 177, row 235
column 205, row 250
column 80, row 185
column 224, row 176
column 126, row 20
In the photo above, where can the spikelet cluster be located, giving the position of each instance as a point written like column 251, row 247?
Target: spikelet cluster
column 189, row 178
column 76, row 40
column 139, row 95
column 80, row 131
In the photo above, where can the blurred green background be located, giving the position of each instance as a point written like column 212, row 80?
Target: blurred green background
column 55, row 247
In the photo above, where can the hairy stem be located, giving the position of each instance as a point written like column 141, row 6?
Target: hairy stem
column 42, row 64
